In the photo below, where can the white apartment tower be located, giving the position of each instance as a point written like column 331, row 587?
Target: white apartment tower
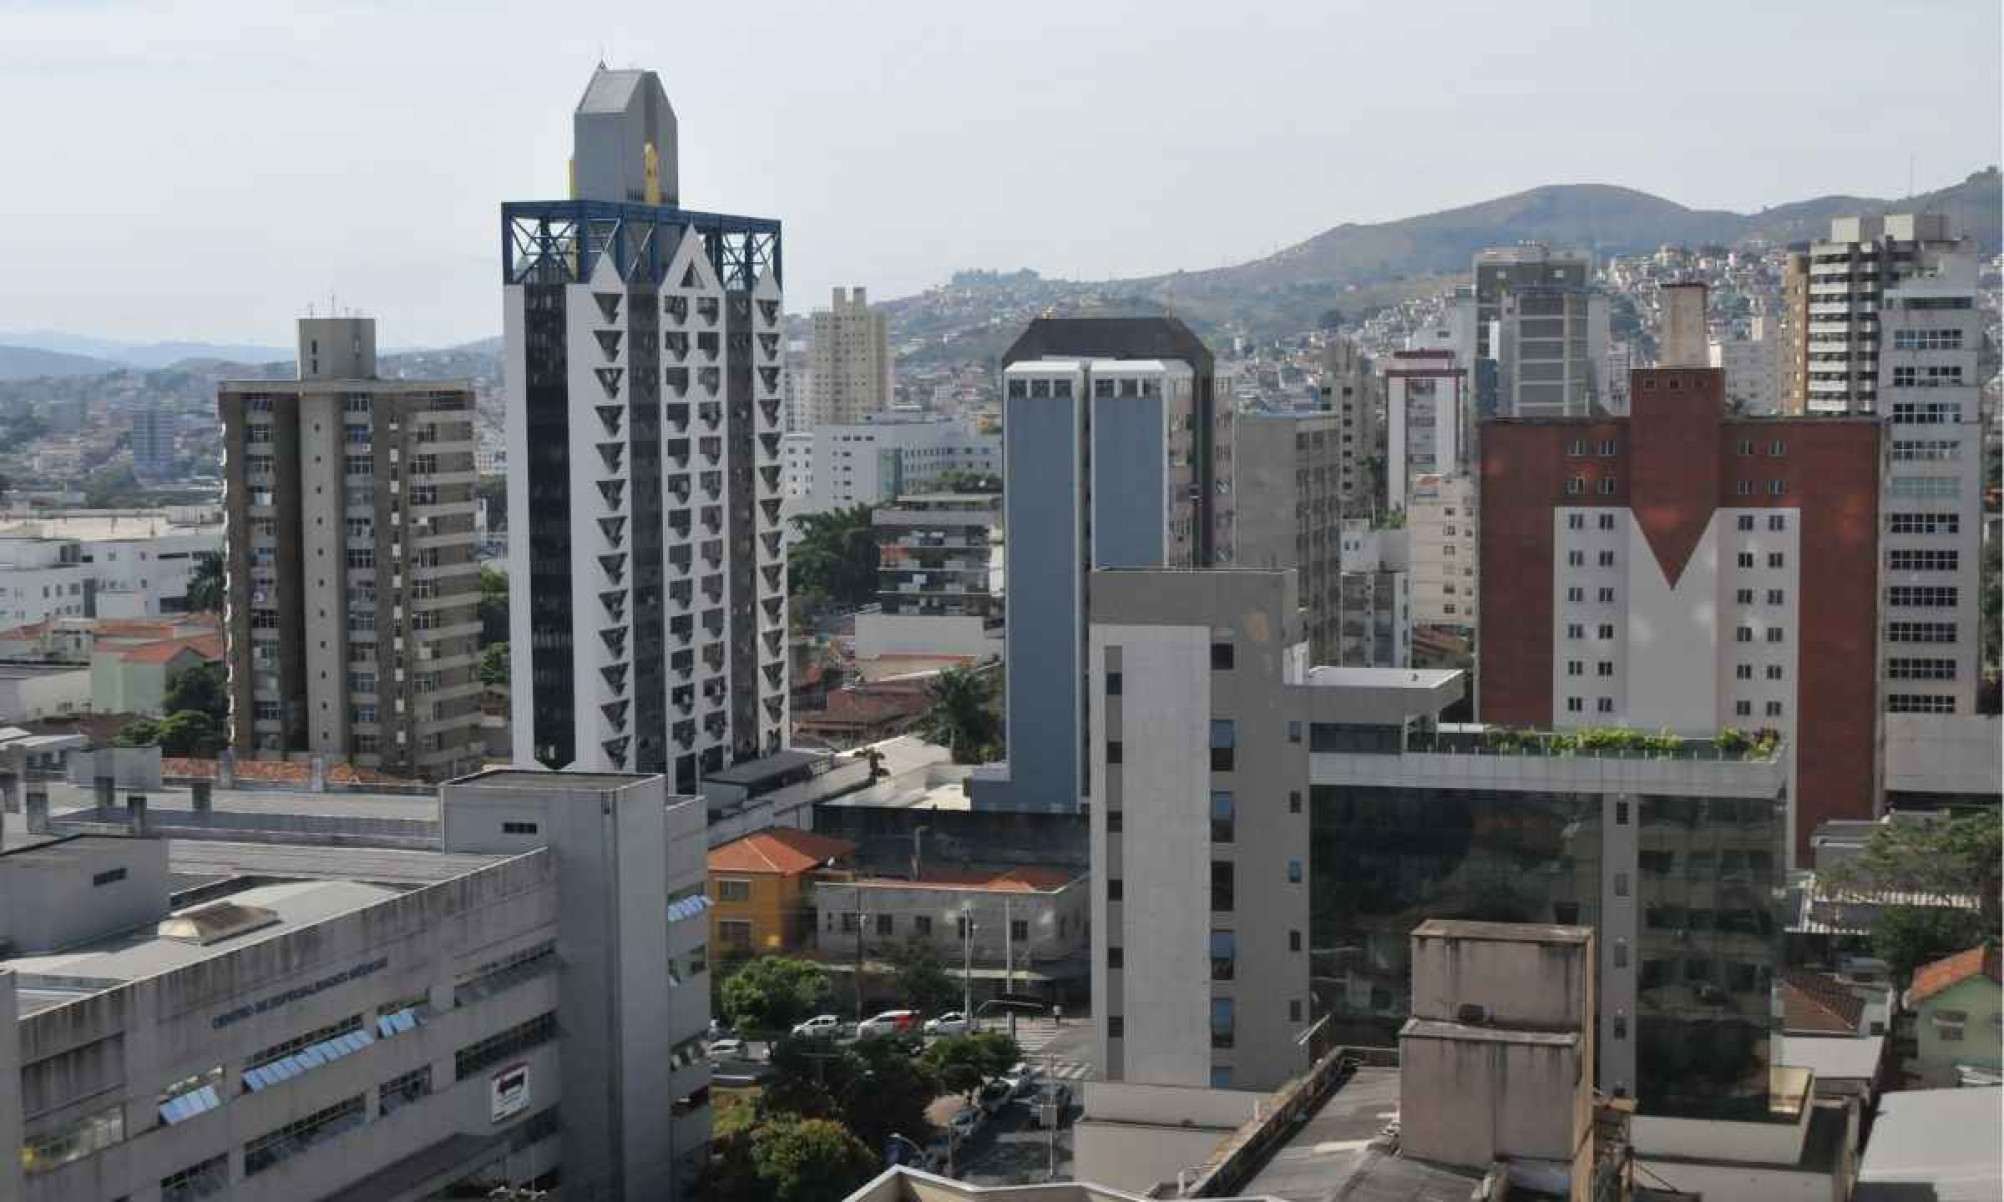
column 849, row 366
column 647, row 583
column 1930, row 332
column 1850, row 276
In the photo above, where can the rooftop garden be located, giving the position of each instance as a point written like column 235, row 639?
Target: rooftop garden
column 1605, row 742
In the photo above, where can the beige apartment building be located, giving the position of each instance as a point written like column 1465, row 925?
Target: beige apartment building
column 352, row 620
column 849, row 366
column 1440, row 524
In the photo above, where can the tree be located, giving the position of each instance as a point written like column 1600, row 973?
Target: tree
column 494, row 665
column 809, row 1160
column 205, row 584
column 183, row 733
column 493, row 606
column 1906, row 937
column 1329, row 320
column 961, row 480
column 964, row 1063
column 1958, row 856
column 202, row 689
column 835, row 558
column 772, row 993
column 492, row 491
column 962, row 718
column 919, row 977
column 874, row 1087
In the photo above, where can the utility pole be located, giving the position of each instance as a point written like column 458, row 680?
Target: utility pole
column 859, row 956
column 967, row 966
column 1009, row 961
column 918, row 849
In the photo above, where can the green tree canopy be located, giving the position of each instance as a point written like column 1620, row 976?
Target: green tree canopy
column 1906, row 937
column 964, row 1063
column 203, row 689
column 1958, row 856
column 962, row 717
column 809, row 1160
column 921, row 979
column 772, row 993
column 205, row 584
column 494, row 665
column 184, row 733
column 493, row 606
column 835, row 558
column 874, row 1087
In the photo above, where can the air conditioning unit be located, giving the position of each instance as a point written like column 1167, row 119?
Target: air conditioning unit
column 1472, row 1014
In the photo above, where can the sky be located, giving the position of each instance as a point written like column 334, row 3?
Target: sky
column 207, row 170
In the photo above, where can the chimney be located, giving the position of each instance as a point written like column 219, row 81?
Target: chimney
column 107, row 791
column 38, row 808
column 317, row 777
column 201, row 796
column 1685, row 342
column 135, row 813
column 226, row 768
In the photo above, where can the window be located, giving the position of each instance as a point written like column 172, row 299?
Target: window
column 400, row 1091
column 501, row 1045
column 1116, row 956
column 1607, row 559
column 300, row 1135
column 1621, row 813
column 1920, row 632
column 1621, row 1026
column 1223, row 1022
column 1575, row 559
column 1223, row 814
column 1607, row 521
column 1224, row 955
column 1221, row 657
column 1607, row 596
column 1774, row 671
column 1621, row 884
column 1575, row 486
column 1294, row 801
column 1746, row 521
column 1115, row 889
column 1777, row 521
column 1924, row 596
column 1606, row 486
column 1743, row 672
column 1604, row 668
column 1743, row 709
column 1773, row 709
column 922, row 924
column 109, row 876
column 1224, row 742
column 1221, row 886
column 1606, row 447
column 1927, row 488
column 1746, row 446
column 1774, row 634
column 1924, row 523
column 1575, row 705
column 1294, row 872
column 1775, row 596
column 1574, row 521
column 1919, row 703
column 731, row 889
column 1604, row 705
column 1113, row 751
column 1575, row 630
column 208, row 1179
column 1901, row 668
column 1746, row 559
column 1116, row 1026
column 1927, row 560
column 1576, row 594
column 1115, row 822
column 1575, row 667
column 1950, row 1024
column 1743, row 634
column 1621, row 953
column 1744, row 596
column 1113, row 684
column 1776, row 559
column 73, row 1141
column 1607, row 630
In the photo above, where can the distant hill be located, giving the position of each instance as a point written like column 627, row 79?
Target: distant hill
column 1354, row 266
column 142, row 354
column 32, row 362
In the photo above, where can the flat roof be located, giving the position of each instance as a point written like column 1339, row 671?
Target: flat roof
column 33, row 671
column 139, row 953
column 218, row 859
column 1327, row 676
column 1432, row 1028
column 1502, row 932
column 1319, row 1160
column 92, row 527
column 568, row 782
column 1939, row 1139
column 65, row 799
column 751, row 772
column 1832, row 1057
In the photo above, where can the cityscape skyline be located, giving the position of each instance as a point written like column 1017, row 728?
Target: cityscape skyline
column 996, row 89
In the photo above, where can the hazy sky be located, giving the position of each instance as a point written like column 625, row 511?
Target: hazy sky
column 208, row 169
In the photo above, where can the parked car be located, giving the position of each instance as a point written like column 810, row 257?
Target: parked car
column 890, row 1022
column 1020, row 1079
column 966, row 1123
column 821, row 1026
column 993, row 1096
column 726, row 1049
column 953, row 1022
column 1053, row 1099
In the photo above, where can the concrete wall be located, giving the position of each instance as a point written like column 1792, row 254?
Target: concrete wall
column 1980, row 1000
column 1542, row 986
column 924, row 634
column 51, row 896
column 1134, row 1136
column 1943, row 753
column 37, row 694
column 1469, row 1101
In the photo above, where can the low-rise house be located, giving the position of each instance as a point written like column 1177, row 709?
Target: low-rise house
column 758, row 889
column 1936, row 1144
column 1958, row 1020
column 1023, row 930
column 133, row 679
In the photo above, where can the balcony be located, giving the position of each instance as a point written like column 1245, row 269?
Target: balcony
column 710, row 413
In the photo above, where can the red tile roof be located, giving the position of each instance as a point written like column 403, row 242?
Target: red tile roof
column 784, row 851
column 1950, row 971
column 1813, row 1004
column 208, row 646
column 279, row 772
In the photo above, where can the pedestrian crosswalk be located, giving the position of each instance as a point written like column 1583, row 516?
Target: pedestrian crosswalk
column 1067, row 1070
column 1034, row 1035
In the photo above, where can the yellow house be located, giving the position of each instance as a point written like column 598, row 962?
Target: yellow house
column 758, row 887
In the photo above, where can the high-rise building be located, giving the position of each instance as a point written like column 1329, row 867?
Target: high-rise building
column 1375, row 625
column 835, row 466
column 1753, row 365
column 849, row 365
column 152, row 442
column 1266, row 834
column 353, row 594
column 1929, row 394
column 1685, row 569
column 1545, row 327
column 1441, row 541
column 1354, row 392
column 647, row 585
column 1850, row 277
column 1795, row 334
column 1428, row 416
column 1116, row 454
column 1289, row 469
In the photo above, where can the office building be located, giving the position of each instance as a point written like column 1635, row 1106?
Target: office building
column 1837, row 305
column 152, row 443
column 229, row 997
column 836, row 466
column 1685, row 569
column 1427, row 419
column 1930, row 333
column 1355, row 393
column 647, row 582
column 1795, row 334
column 1545, row 328
column 1375, row 627
column 102, row 563
column 1288, row 501
column 1226, row 921
column 1116, row 455
column 939, row 564
column 1441, row 541
column 849, row 365
column 352, row 616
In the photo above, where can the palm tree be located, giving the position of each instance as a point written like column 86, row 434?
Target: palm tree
column 961, row 718
column 205, row 584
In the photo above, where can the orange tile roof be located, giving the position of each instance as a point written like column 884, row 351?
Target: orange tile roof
column 279, row 772
column 785, row 851
column 1950, row 971
column 1812, row 1003
column 208, row 646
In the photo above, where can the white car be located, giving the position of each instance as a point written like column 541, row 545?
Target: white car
column 966, row 1123
column 726, row 1049
column 890, row 1022
column 953, row 1022
column 821, row 1026
column 1020, row 1079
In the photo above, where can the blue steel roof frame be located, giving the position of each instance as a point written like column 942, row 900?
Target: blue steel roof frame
column 568, row 236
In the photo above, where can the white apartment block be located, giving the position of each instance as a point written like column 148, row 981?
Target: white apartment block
column 647, row 578
column 1427, row 419
column 1930, row 333
column 869, row 463
column 102, row 563
column 1753, row 366
column 1375, row 616
column 1850, row 276
column 1440, row 533
column 849, row 365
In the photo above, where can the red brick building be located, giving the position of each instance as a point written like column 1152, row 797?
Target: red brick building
column 1684, row 568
